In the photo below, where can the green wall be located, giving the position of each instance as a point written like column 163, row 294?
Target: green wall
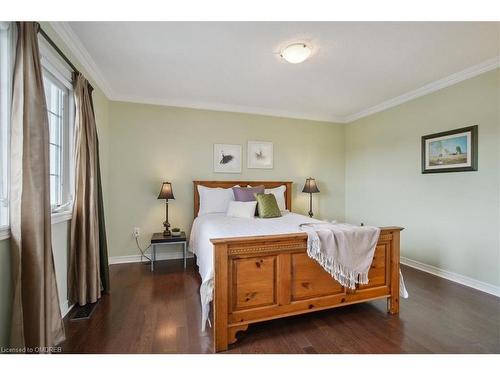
column 451, row 219
column 150, row 144
column 5, row 292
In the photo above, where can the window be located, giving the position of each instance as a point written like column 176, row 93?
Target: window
column 6, row 66
column 57, row 98
column 60, row 113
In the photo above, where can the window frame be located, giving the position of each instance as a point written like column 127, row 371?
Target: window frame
column 64, row 143
column 51, row 62
column 60, row 74
column 7, row 54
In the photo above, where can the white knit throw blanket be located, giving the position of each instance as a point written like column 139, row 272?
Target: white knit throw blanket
column 345, row 251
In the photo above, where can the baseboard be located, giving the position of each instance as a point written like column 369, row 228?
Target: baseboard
column 455, row 277
column 160, row 255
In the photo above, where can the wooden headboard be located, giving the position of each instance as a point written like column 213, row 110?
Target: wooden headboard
column 229, row 184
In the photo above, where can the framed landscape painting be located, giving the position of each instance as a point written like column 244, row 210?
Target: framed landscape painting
column 450, row 151
column 227, row 158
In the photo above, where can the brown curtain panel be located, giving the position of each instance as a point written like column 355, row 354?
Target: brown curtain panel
column 36, row 316
column 88, row 269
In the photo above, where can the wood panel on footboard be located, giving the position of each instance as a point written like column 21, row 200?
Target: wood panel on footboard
column 261, row 278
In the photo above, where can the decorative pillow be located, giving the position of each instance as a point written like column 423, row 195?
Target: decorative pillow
column 244, row 210
column 214, row 200
column 267, row 206
column 247, row 194
column 279, row 193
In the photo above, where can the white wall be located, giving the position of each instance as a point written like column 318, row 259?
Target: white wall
column 451, row 219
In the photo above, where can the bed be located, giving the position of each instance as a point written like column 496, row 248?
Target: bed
column 255, row 270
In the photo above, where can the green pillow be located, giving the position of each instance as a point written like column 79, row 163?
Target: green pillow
column 267, row 206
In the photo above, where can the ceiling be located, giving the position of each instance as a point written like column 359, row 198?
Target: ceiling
column 356, row 68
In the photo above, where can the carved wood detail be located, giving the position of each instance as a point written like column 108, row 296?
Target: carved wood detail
column 233, row 331
column 385, row 237
column 241, row 250
column 259, row 278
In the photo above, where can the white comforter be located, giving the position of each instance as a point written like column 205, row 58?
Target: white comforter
column 210, row 226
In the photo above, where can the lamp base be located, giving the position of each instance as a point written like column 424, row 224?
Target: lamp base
column 310, row 205
column 166, row 232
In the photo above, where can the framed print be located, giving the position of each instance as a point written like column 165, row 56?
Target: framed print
column 450, row 151
column 227, row 158
column 260, row 155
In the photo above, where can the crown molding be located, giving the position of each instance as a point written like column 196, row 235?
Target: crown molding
column 442, row 83
column 63, row 29
column 75, row 45
column 220, row 107
column 470, row 72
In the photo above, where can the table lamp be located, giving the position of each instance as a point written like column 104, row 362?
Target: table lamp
column 310, row 187
column 166, row 193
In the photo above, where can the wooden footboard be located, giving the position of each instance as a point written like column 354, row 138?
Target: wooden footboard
column 268, row 277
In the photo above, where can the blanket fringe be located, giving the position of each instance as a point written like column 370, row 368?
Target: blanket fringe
column 346, row 277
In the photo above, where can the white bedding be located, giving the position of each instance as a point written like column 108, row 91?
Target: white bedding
column 219, row 225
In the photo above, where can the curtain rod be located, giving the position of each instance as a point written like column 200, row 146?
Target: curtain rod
column 56, row 48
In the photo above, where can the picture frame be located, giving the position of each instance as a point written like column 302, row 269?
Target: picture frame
column 450, row 151
column 260, row 155
column 227, row 158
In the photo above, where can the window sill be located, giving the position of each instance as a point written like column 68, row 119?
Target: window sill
column 56, row 218
column 59, row 217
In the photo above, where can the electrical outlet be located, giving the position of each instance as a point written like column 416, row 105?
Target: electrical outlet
column 137, row 232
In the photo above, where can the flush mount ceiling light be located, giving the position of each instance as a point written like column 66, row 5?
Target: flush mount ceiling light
column 296, row 53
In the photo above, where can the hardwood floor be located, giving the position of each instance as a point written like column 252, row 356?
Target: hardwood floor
column 160, row 313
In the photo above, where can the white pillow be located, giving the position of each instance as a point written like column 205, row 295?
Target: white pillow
column 214, row 200
column 279, row 193
column 244, row 210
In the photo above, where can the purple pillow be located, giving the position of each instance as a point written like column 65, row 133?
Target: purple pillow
column 246, row 194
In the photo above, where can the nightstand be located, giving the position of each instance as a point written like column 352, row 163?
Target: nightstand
column 159, row 239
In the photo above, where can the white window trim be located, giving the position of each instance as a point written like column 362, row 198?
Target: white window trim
column 60, row 217
column 54, row 63
column 67, row 135
column 55, row 218
column 8, row 58
column 58, row 68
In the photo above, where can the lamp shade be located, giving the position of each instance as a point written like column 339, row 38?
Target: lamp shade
column 310, row 186
column 166, row 191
